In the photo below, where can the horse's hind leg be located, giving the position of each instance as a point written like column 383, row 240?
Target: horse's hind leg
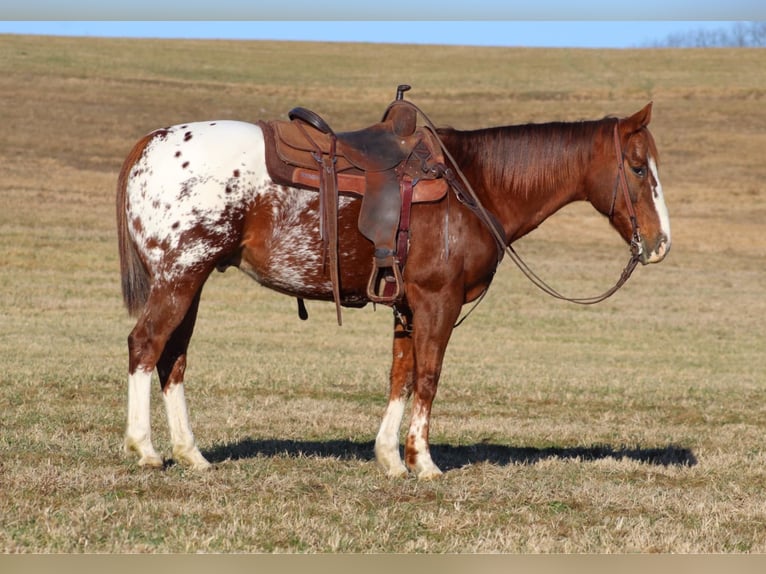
column 138, row 434
column 387, row 440
column 171, row 368
column 169, row 313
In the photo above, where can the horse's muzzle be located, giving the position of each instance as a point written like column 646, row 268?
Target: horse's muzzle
column 656, row 253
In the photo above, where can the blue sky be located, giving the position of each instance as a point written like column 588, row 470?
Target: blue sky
column 583, row 34
column 533, row 23
column 488, row 10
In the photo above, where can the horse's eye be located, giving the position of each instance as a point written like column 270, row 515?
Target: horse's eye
column 640, row 171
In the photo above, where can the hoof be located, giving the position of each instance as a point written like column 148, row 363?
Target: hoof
column 389, row 460
column 151, row 461
column 202, row 466
column 192, row 458
column 428, row 472
column 148, row 457
column 400, row 472
column 430, row 475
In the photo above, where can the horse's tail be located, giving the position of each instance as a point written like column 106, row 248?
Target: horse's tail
column 135, row 277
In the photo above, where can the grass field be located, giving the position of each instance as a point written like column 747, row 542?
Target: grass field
column 638, row 425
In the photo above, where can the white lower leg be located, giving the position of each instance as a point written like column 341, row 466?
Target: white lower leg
column 138, row 435
column 184, row 448
column 387, row 441
column 417, row 441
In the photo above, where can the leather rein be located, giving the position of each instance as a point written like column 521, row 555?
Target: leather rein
column 635, row 242
column 467, row 196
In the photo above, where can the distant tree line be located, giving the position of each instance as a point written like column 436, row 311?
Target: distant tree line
column 739, row 35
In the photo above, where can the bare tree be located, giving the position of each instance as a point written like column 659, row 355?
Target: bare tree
column 738, row 35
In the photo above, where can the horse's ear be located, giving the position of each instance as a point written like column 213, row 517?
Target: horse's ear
column 638, row 120
column 646, row 112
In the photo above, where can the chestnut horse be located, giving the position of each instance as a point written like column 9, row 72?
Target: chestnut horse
column 197, row 197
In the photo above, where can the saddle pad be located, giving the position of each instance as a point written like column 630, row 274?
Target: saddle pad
column 376, row 148
column 292, row 146
column 301, row 169
column 423, row 191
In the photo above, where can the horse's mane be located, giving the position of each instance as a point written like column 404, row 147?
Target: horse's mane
column 524, row 159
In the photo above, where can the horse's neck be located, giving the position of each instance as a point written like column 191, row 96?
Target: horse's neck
column 523, row 174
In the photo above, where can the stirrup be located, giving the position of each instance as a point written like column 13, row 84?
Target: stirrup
column 384, row 287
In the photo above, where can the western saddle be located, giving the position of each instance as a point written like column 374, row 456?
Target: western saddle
column 390, row 164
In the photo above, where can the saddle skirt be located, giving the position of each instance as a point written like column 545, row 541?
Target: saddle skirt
column 390, row 164
column 291, row 160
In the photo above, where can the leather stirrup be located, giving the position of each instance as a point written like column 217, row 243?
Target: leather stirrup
column 375, row 292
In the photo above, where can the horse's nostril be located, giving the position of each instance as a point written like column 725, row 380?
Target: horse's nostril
column 664, row 243
column 662, row 247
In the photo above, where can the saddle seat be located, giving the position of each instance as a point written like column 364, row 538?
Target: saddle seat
column 390, row 164
column 292, row 148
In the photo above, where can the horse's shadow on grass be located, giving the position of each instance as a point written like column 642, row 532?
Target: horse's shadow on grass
column 450, row 457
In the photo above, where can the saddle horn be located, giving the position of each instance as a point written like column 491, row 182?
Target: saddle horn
column 400, row 89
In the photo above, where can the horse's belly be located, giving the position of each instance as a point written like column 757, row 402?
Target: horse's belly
column 283, row 247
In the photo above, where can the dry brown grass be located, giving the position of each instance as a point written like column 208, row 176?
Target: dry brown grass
column 634, row 426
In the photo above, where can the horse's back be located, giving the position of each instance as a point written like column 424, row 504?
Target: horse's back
column 193, row 151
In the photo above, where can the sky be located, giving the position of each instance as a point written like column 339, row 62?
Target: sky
column 518, row 23
column 555, row 34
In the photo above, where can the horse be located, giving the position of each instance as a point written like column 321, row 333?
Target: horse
column 197, row 197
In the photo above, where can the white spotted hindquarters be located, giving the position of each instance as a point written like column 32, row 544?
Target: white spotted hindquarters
column 185, row 191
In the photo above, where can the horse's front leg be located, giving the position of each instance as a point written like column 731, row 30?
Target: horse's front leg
column 434, row 316
column 387, row 441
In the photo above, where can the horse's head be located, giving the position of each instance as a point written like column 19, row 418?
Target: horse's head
column 629, row 191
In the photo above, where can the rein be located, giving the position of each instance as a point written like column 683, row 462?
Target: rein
column 467, row 195
column 635, row 241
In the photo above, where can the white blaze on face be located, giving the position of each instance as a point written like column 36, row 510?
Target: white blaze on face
column 662, row 212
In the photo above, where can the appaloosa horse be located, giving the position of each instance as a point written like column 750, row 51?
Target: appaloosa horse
column 197, row 197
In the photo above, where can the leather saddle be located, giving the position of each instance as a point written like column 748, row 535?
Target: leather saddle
column 390, row 164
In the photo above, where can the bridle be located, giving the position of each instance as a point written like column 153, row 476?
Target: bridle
column 636, row 248
column 468, row 197
column 621, row 183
